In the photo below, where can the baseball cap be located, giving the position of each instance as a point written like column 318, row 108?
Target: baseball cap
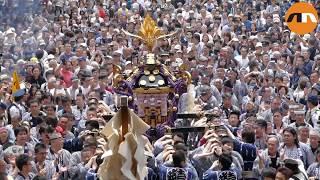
column 74, row 78
column 4, row 77
column 54, row 136
column 313, row 99
column 15, row 150
column 42, row 42
column 203, row 58
column 259, row 44
column 300, row 111
column 50, row 56
column 19, row 93
column 177, row 47
column 204, row 89
column 3, row 106
column 81, row 58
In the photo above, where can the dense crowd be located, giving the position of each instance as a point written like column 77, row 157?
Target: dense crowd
column 258, row 81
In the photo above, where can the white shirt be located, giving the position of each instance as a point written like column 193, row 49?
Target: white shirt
column 17, row 111
column 243, row 63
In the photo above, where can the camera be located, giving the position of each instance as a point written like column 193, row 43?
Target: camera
column 94, row 133
column 272, row 63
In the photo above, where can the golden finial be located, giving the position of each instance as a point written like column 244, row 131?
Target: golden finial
column 149, row 32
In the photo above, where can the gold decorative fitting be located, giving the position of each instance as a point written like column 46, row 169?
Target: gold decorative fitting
column 143, row 82
column 150, row 59
column 155, row 72
column 152, row 78
column 160, row 90
column 187, row 77
column 116, row 69
column 116, row 79
column 161, row 82
column 183, row 67
column 146, row 72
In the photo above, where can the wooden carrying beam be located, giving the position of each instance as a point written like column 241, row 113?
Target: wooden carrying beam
column 186, row 130
column 125, row 116
column 188, row 115
column 196, row 115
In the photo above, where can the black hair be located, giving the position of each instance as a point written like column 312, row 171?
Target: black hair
column 32, row 101
column 50, row 129
column 178, row 157
column 226, row 140
column 277, row 111
column 19, row 129
column 314, row 103
column 92, row 124
column 302, row 57
column 90, row 141
column 68, row 116
column 235, row 112
column 42, row 130
column 269, row 173
column 38, row 177
column 45, row 96
column 292, row 131
column 179, row 135
column 37, row 67
column 81, row 95
column 99, row 160
column 51, row 106
column 32, row 87
column 65, row 99
column 248, row 136
column 292, row 165
column 22, row 160
column 225, row 161
column 285, row 55
column 262, row 123
column 58, row 99
column 180, row 146
column 17, row 98
column 38, row 119
column 226, row 95
column 52, row 121
column 278, row 77
column 38, row 147
column 197, row 37
column 92, row 109
column 285, row 171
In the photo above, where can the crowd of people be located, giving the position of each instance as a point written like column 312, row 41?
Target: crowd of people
column 258, row 81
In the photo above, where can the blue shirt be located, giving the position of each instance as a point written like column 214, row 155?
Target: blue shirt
column 247, row 23
column 248, row 153
column 307, row 68
column 91, row 175
column 174, row 172
column 216, row 175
